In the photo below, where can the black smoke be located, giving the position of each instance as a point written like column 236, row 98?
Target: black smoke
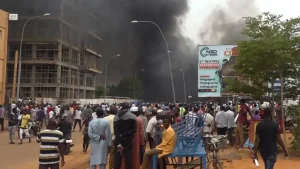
column 142, row 46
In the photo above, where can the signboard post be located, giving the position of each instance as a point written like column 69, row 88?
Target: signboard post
column 211, row 61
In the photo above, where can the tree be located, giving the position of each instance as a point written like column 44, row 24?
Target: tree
column 126, row 87
column 272, row 50
column 99, row 91
column 113, row 90
column 239, row 87
column 293, row 112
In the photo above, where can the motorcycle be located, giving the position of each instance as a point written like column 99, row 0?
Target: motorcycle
column 34, row 128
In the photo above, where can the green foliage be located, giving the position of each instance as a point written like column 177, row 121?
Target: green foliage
column 112, row 90
column 126, row 87
column 294, row 113
column 291, row 86
column 99, row 91
column 239, row 87
column 271, row 51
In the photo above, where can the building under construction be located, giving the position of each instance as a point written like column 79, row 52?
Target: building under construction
column 59, row 52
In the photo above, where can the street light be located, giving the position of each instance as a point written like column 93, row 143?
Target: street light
column 105, row 80
column 188, row 80
column 168, row 51
column 183, row 78
column 184, row 89
column 136, row 73
column 20, row 54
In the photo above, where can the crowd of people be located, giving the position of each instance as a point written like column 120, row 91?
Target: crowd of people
column 122, row 131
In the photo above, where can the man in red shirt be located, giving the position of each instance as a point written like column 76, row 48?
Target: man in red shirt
column 241, row 121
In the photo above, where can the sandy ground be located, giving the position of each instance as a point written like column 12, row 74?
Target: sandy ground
column 26, row 156
column 293, row 162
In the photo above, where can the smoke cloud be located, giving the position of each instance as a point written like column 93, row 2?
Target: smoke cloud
column 224, row 24
column 142, row 46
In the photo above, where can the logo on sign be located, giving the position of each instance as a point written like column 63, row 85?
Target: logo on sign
column 207, row 52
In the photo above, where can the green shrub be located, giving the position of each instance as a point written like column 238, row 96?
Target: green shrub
column 294, row 113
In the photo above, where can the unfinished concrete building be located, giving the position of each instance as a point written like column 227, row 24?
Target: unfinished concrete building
column 59, row 52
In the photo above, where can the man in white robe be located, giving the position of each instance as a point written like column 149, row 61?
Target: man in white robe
column 100, row 139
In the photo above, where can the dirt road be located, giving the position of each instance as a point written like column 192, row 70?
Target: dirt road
column 25, row 156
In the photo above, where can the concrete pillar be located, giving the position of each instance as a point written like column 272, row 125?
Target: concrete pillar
column 58, row 77
column 57, row 92
column 94, row 85
column 58, row 74
column 59, row 54
column 70, row 82
column 33, row 75
column 70, row 76
column 94, row 80
column 34, row 53
column 78, row 84
column 70, row 57
column 84, row 84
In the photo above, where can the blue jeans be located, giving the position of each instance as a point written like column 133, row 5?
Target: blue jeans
column 270, row 161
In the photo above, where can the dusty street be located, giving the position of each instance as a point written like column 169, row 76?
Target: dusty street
column 26, row 156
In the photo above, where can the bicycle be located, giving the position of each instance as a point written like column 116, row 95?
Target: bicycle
column 211, row 144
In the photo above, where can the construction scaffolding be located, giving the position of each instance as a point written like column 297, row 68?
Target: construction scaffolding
column 59, row 52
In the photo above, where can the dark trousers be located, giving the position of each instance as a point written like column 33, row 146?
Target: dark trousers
column 127, row 153
column 151, row 143
column 222, row 131
column 142, row 151
column 230, row 136
column 75, row 123
column 86, row 142
column 47, row 166
column 2, row 123
column 269, row 160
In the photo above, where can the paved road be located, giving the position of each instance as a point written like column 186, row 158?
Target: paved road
column 25, row 156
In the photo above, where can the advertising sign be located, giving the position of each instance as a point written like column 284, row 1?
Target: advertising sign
column 210, row 74
column 13, row 17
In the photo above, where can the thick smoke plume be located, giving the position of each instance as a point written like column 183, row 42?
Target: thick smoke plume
column 141, row 45
column 224, row 24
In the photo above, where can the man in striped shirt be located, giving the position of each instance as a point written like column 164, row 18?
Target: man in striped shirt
column 52, row 147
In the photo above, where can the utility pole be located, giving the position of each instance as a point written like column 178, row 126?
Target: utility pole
column 13, row 96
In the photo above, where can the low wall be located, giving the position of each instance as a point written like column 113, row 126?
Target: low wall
column 97, row 101
column 90, row 101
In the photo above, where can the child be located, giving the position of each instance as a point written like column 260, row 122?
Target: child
column 86, row 138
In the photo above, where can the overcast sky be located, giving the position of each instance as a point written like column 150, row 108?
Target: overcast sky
column 200, row 9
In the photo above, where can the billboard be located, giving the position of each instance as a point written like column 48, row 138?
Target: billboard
column 210, row 73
